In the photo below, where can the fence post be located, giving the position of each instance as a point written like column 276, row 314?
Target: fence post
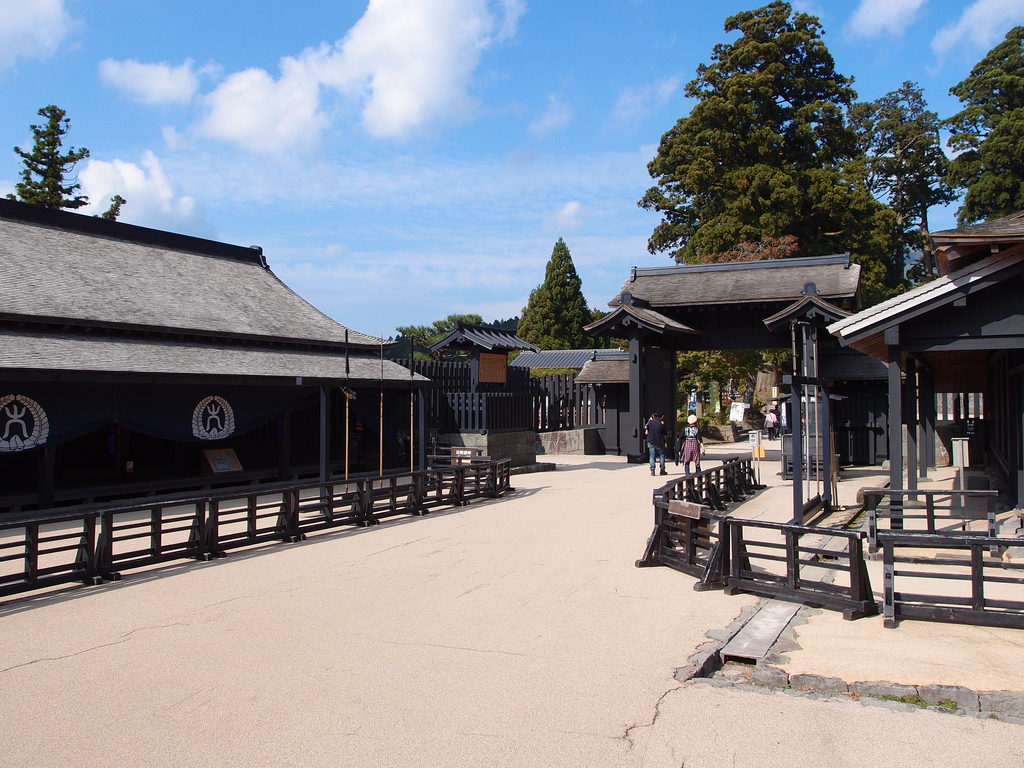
column 792, row 560
column 977, row 578
column 888, row 587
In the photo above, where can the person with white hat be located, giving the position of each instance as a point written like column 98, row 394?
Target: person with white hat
column 690, row 444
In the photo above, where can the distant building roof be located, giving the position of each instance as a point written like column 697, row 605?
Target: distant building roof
column 604, row 372
column 737, row 282
column 956, row 249
column 565, row 358
column 483, row 337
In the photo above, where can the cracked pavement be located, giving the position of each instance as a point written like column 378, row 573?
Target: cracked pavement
column 514, row 632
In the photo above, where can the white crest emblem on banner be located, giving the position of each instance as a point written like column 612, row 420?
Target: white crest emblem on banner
column 23, row 423
column 213, row 419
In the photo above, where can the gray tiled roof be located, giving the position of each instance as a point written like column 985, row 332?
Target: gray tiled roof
column 739, row 282
column 565, row 358
column 55, row 352
column 59, row 272
column 604, row 372
column 1011, row 226
column 625, row 314
column 485, row 337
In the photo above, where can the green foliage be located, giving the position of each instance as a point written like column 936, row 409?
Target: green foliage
column 419, row 338
column 114, row 210
column 906, row 167
column 989, row 134
column 44, row 178
column 556, row 313
column 766, row 154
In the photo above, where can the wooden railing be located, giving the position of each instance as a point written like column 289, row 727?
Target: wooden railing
column 928, row 511
column 979, row 588
column 89, row 544
column 694, row 534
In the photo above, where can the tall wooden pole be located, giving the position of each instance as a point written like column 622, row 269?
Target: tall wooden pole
column 380, row 451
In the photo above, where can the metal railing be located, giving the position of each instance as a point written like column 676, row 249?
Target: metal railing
column 89, row 544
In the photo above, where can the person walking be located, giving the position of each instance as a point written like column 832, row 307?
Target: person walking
column 771, row 422
column 690, row 445
column 655, row 433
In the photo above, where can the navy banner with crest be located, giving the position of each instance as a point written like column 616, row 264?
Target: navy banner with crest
column 34, row 414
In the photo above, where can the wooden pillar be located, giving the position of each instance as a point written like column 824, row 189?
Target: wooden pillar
column 284, row 447
column 825, row 429
column 47, row 476
column 421, row 421
column 895, row 420
column 910, row 414
column 796, row 427
column 325, row 433
column 926, row 427
column 635, row 444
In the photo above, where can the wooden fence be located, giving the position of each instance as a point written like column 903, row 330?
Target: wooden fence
column 560, row 403
column 90, row 544
column 954, row 578
column 543, row 404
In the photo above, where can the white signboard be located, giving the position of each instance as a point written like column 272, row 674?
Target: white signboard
column 737, row 410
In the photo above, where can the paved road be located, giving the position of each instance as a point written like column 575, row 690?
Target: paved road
column 507, row 633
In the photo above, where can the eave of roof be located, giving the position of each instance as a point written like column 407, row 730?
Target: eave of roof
column 857, row 328
column 62, row 354
column 810, row 307
column 627, row 314
column 491, row 339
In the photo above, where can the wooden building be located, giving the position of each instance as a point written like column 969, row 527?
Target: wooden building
column 960, row 335
column 135, row 361
column 734, row 305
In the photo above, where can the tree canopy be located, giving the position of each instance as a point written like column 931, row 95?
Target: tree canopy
column 766, row 154
column 556, row 313
column 989, row 133
column 906, row 166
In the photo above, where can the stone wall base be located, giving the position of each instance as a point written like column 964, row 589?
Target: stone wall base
column 579, row 442
column 518, row 446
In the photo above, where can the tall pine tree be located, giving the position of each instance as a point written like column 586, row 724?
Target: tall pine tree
column 45, row 177
column 556, row 313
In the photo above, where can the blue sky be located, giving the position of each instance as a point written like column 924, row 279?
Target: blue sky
column 406, row 159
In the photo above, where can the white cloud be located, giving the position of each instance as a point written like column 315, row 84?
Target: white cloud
column 982, row 24
column 154, row 199
column 151, row 83
column 413, row 60
column 557, row 115
column 267, row 115
column 406, row 63
column 31, row 28
column 568, row 218
column 877, row 17
column 636, row 102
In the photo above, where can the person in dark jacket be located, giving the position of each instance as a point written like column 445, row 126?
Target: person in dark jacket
column 690, row 445
column 656, row 439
